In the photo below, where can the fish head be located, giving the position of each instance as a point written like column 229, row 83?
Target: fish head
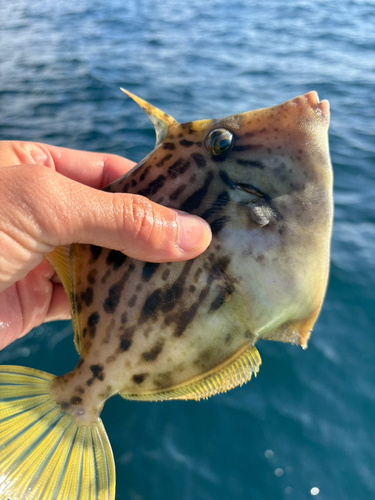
column 279, row 216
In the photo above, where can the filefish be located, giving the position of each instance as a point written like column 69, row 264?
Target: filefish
column 185, row 330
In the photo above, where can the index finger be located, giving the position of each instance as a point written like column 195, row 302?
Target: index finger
column 92, row 169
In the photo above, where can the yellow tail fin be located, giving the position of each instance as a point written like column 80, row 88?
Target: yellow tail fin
column 44, row 453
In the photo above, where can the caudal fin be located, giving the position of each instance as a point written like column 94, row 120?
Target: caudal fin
column 44, row 453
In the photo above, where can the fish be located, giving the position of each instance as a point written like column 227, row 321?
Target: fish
column 184, row 330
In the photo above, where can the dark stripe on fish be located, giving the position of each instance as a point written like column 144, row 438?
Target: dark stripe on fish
column 252, row 134
column 88, row 296
column 150, row 306
column 220, row 266
column 92, row 321
column 148, row 270
column 186, row 144
column 95, row 251
column 91, row 277
column 186, row 317
column 177, row 192
column 167, row 299
column 247, row 147
column 178, row 168
column 222, row 296
column 165, row 274
column 140, row 378
column 197, row 274
column 144, row 173
column 250, row 163
column 174, row 293
column 219, row 158
column 154, row 186
column 220, row 202
column 163, row 160
column 154, row 352
column 116, row 258
column 188, row 127
column 227, row 181
column 114, row 293
column 126, row 339
column 97, row 372
column 75, row 400
column 196, row 198
column 199, row 159
column 132, row 300
column 105, row 277
column 218, row 224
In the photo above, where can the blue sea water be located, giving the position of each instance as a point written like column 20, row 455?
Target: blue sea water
column 308, row 420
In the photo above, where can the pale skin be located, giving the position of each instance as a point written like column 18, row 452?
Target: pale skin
column 51, row 196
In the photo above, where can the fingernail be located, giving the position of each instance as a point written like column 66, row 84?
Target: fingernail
column 193, row 232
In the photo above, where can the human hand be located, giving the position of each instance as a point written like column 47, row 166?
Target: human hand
column 50, row 196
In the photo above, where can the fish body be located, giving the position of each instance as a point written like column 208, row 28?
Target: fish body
column 186, row 330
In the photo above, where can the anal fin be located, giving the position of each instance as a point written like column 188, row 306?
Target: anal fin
column 236, row 372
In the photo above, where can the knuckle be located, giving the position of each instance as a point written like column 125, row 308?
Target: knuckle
column 32, row 153
column 150, row 228
column 143, row 217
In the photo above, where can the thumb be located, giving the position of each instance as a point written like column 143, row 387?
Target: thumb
column 54, row 210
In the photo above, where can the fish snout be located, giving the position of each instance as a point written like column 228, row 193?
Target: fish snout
column 310, row 101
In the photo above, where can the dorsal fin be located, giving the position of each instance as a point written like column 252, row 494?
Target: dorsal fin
column 62, row 260
column 160, row 120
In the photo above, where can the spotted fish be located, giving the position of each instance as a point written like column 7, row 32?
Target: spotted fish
column 186, row 330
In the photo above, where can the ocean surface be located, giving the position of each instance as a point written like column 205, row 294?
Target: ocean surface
column 306, row 426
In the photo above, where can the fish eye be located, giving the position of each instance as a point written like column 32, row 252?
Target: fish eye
column 219, row 141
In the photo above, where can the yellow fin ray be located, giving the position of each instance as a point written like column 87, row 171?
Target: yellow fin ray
column 233, row 374
column 45, row 454
column 160, row 120
column 62, row 260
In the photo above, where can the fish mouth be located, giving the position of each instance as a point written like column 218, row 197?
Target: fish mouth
column 312, row 99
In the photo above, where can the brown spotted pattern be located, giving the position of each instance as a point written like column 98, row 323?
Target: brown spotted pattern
column 145, row 327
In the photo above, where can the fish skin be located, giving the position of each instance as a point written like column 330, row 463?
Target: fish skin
column 146, row 328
